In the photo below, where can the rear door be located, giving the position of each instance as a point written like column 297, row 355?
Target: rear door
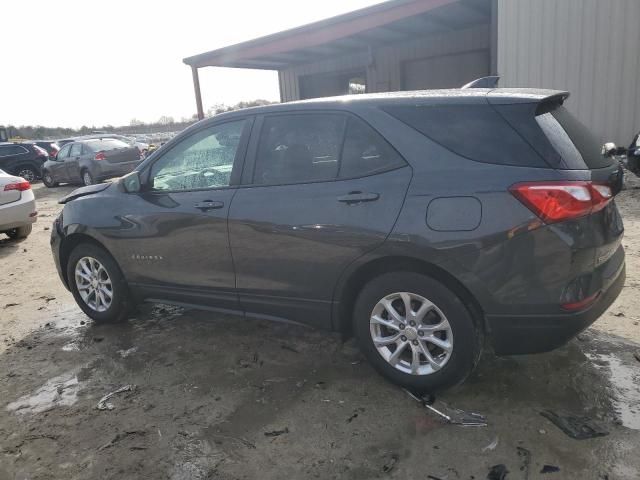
column 322, row 189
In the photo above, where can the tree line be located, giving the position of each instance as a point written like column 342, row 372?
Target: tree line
column 163, row 124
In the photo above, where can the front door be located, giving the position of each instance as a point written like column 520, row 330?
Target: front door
column 72, row 162
column 325, row 189
column 58, row 169
column 177, row 246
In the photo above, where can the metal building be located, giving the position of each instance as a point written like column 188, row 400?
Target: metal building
column 588, row 47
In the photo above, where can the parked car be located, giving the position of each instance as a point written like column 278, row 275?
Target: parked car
column 90, row 161
column 22, row 159
column 51, row 147
column 421, row 222
column 17, row 206
column 633, row 155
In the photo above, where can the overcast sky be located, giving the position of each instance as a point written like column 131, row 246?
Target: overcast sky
column 73, row 63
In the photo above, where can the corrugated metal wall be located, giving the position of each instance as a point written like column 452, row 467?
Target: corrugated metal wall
column 588, row 47
column 384, row 65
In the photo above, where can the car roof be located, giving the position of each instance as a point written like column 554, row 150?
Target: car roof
column 458, row 96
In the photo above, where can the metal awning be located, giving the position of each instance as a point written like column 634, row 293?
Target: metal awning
column 357, row 31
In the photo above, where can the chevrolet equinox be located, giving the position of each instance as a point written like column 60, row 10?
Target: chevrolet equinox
column 421, row 222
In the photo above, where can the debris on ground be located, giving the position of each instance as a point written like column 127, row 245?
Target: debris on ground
column 121, row 436
column 491, row 446
column 104, row 405
column 284, row 346
column 578, row 428
column 497, row 472
column 525, row 457
column 127, row 352
column 550, row 469
column 98, row 339
column 451, row 415
column 276, row 433
column 355, row 414
column 11, row 305
column 391, row 463
column 636, row 355
column 619, row 314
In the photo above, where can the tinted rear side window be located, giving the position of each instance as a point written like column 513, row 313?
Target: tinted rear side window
column 365, row 152
column 570, row 138
column 476, row 132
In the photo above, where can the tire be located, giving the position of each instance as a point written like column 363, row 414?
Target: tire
column 20, row 232
column 121, row 303
column 48, row 180
column 28, row 173
column 463, row 336
column 87, row 178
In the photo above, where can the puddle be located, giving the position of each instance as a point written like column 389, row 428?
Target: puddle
column 58, row 391
column 625, row 381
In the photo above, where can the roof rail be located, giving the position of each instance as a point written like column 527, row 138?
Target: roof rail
column 483, row 82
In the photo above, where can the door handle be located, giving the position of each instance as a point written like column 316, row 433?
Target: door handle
column 358, row 197
column 208, row 205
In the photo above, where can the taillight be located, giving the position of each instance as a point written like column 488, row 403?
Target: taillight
column 40, row 152
column 20, row 186
column 100, row 156
column 560, row 201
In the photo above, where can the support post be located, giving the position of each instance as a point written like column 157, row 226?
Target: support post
column 196, row 88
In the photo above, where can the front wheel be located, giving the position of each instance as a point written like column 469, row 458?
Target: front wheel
column 20, row 232
column 416, row 332
column 98, row 285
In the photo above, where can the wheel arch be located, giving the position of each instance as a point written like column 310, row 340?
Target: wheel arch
column 72, row 241
column 357, row 279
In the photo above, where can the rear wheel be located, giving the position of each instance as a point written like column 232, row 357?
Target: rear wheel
column 28, row 173
column 48, row 180
column 416, row 332
column 87, row 179
column 97, row 284
column 20, row 232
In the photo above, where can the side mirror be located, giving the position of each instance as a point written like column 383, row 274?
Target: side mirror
column 131, row 182
column 609, row 149
column 637, row 152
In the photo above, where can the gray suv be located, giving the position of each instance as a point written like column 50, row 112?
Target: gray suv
column 421, row 222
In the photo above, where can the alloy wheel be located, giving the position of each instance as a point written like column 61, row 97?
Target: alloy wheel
column 411, row 333
column 94, row 284
column 28, row 174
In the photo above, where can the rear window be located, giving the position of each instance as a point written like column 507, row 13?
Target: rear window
column 476, row 132
column 571, row 139
column 105, row 144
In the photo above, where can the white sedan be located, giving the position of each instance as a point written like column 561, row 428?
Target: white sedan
column 17, row 206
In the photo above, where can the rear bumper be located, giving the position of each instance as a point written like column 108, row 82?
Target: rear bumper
column 520, row 334
column 19, row 213
column 109, row 170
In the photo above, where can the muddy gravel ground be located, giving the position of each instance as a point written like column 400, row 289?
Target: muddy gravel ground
column 216, row 396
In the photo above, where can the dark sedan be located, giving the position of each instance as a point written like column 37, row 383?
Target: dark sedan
column 90, row 161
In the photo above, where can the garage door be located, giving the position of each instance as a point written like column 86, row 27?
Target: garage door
column 446, row 71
